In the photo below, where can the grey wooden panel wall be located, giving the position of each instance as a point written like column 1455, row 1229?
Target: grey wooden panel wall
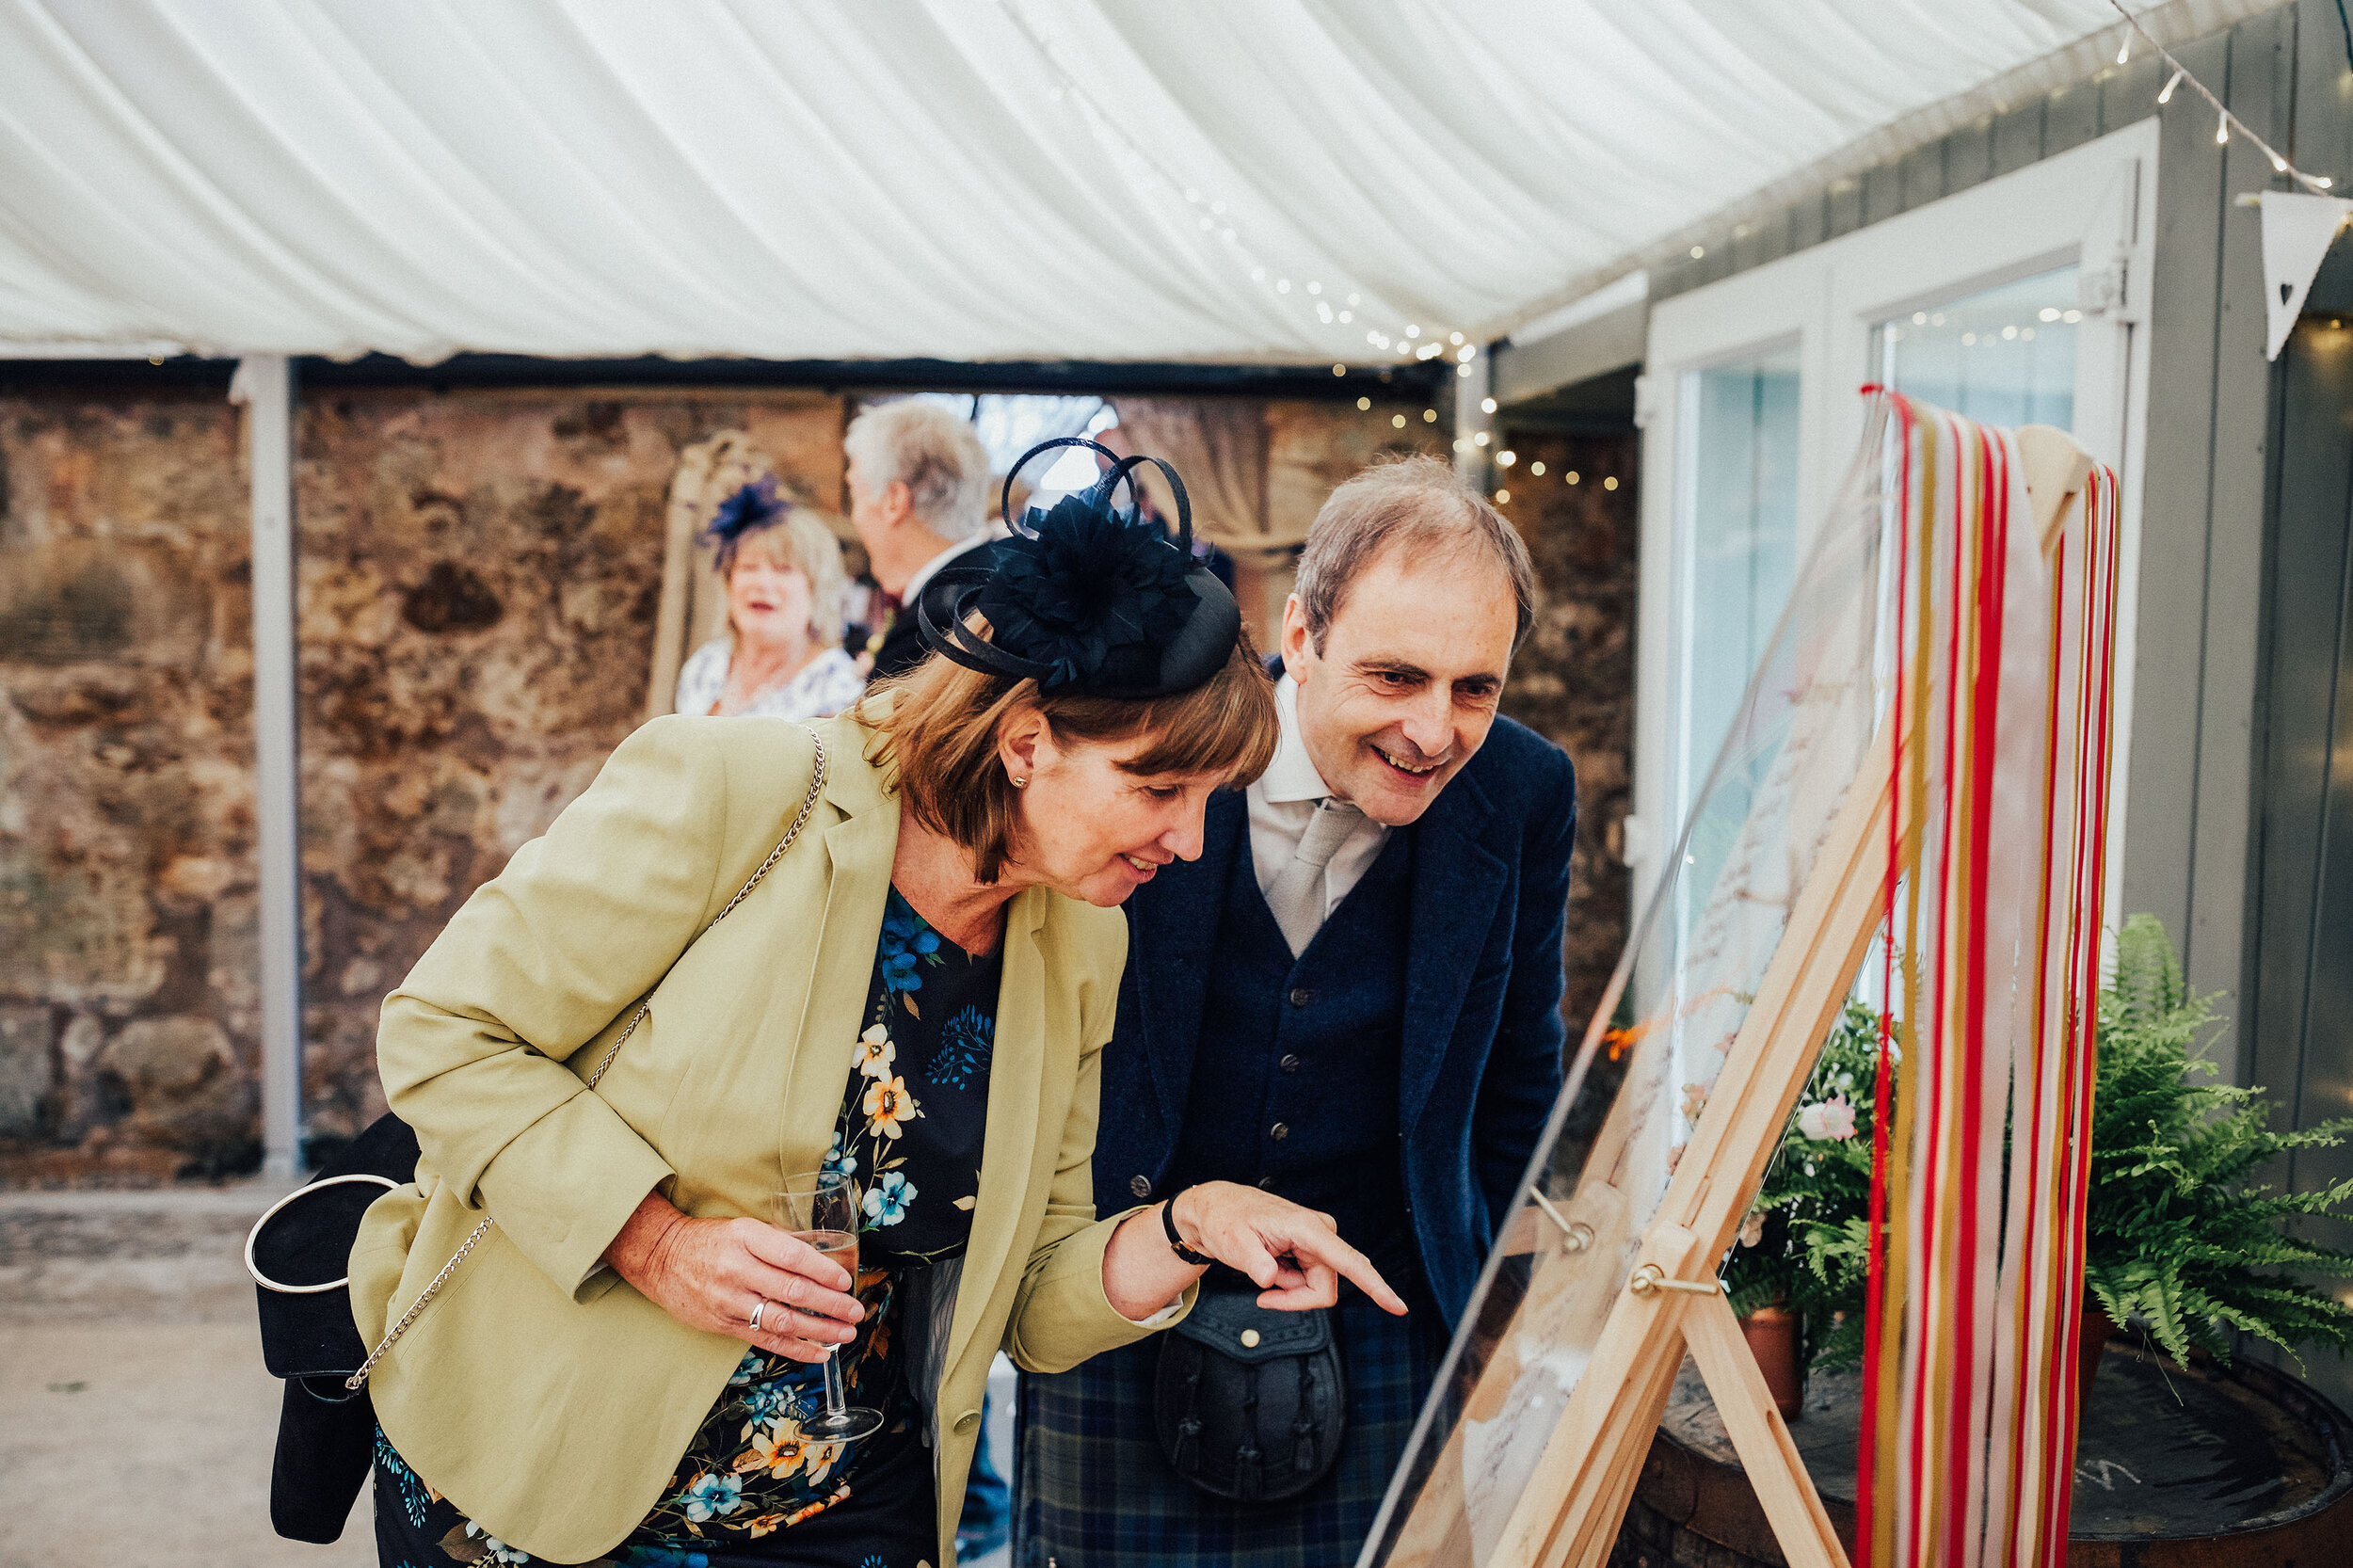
column 2296, row 1014
column 2192, row 786
column 2299, row 1015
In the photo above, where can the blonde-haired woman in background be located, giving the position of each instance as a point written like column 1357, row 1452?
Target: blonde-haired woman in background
column 782, row 657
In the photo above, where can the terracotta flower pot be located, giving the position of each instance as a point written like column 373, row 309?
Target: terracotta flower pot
column 2091, row 1338
column 1772, row 1336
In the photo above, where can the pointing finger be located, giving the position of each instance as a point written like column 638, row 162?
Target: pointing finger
column 1335, row 1254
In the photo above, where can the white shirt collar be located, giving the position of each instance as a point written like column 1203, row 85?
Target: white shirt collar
column 925, row 572
column 1292, row 774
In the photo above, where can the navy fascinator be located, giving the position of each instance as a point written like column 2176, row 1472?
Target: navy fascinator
column 1087, row 598
column 754, row 507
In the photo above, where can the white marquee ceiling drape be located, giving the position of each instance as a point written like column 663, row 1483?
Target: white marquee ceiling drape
column 964, row 179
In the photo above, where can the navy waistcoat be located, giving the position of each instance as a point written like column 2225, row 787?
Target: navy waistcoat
column 1295, row 1081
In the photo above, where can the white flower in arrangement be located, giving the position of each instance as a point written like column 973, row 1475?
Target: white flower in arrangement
column 875, row 1051
column 1831, row 1119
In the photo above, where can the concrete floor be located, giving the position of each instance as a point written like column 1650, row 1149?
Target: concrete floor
column 136, row 1422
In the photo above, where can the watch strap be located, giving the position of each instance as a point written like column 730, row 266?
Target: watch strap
column 1177, row 1242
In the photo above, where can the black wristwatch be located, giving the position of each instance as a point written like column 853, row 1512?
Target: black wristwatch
column 1177, row 1242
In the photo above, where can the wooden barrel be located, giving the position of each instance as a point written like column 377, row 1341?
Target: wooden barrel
column 2196, row 1468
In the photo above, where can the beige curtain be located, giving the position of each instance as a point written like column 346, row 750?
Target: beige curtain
column 1218, row 446
column 693, row 600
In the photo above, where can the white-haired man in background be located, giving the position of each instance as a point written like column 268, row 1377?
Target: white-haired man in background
column 919, row 499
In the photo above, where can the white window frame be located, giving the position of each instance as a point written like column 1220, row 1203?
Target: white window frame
column 2092, row 207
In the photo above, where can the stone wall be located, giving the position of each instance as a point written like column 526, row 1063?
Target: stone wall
column 128, row 1007
column 1574, row 680
column 478, row 575
column 478, row 572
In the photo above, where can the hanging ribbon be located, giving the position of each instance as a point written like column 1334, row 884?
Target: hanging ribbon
column 2002, row 679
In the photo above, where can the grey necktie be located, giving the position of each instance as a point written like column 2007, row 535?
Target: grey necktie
column 1298, row 896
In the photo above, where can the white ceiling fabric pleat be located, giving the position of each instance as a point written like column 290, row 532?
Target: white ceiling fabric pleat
column 958, row 179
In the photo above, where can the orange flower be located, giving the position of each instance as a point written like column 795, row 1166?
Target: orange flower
column 785, row 1452
column 818, row 1507
column 888, row 1104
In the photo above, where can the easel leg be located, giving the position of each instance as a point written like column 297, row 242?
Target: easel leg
column 1626, row 1469
column 1794, row 1509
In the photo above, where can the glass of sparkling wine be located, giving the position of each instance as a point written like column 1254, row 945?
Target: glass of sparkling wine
column 821, row 1208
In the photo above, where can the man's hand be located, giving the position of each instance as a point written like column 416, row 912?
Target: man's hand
column 1293, row 1254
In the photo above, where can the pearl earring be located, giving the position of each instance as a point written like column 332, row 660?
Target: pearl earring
column 1020, row 783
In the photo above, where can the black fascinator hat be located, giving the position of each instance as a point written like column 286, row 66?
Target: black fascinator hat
column 1087, row 598
column 750, row 508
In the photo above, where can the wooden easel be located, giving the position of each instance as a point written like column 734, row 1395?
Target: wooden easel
column 1568, row 1513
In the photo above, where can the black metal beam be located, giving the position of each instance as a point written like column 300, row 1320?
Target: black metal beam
column 1061, row 375
column 183, row 376
column 192, row 376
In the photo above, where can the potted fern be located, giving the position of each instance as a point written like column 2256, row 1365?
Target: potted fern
column 2181, row 1237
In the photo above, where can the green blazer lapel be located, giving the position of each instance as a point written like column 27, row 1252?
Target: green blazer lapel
column 860, row 848
column 1016, row 1077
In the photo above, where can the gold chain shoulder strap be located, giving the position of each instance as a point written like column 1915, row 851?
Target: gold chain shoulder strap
column 808, row 804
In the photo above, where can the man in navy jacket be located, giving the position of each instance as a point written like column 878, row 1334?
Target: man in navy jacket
column 1351, row 997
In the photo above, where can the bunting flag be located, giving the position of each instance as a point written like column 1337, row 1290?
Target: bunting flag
column 2002, row 667
column 2297, row 233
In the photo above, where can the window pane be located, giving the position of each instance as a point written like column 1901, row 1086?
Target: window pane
column 1739, row 544
column 2006, row 356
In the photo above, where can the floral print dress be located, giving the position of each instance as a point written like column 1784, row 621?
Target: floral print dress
column 749, row 1489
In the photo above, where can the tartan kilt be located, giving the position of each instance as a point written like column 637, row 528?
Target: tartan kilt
column 1094, row 1492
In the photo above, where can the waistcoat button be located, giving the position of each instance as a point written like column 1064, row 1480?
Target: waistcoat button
column 1280, row 1131
column 1301, row 996
column 1288, row 1064
column 1140, row 1185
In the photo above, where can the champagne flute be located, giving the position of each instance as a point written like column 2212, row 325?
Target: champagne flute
column 821, row 1208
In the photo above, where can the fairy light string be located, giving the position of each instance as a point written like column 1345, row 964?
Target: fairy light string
column 2225, row 121
column 1410, row 341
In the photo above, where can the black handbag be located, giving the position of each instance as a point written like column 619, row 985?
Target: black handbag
column 298, row 1253
column 1249, row 1403
column 299, row 1256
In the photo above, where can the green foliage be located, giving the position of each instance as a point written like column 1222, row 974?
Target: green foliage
column 2178, row 1236
column 1806, row 1245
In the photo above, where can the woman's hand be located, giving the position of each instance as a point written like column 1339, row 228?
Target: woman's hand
column 712, row 1274
column 1293, row 1254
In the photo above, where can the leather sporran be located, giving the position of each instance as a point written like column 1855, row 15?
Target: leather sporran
column 1249, row 1403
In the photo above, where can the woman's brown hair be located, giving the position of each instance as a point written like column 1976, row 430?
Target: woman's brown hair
column 941, row 723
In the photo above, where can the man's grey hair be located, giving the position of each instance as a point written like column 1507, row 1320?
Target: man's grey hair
column 933, row 453
column 1418, row 503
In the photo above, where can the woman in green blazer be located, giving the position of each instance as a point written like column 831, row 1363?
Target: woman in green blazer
column 914, row 992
